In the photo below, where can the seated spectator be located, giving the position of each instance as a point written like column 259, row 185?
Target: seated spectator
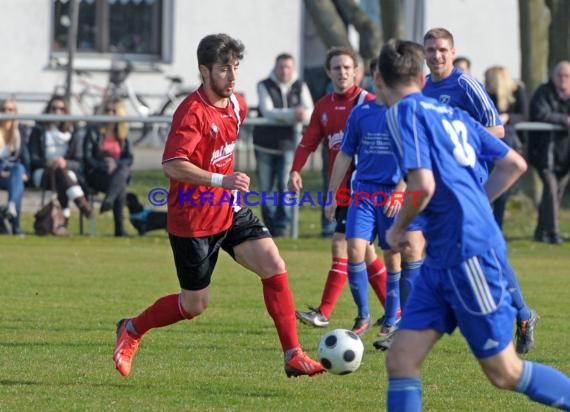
column 549, row 152
column 510, row 99
column 144, row 219
column 108, row 159
column 55, row 157
column 14, row 163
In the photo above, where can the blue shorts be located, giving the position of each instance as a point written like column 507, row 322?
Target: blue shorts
column 366, row 217
column 472, row 296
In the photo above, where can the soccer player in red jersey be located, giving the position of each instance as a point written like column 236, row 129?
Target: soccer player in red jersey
column 327, row 123
column 202, row 218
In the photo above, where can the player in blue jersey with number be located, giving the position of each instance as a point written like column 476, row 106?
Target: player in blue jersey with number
column 461, row 282
column 455, row 88
column 376, row 185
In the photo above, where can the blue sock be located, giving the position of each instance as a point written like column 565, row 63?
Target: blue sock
column 410, row 271
column 404, row 395
column 358, row 281
column 545, row 385
column 392, row 297
column 523, row 311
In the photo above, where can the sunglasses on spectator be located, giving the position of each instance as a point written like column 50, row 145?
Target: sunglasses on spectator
column 7, row 109
column 109, row 110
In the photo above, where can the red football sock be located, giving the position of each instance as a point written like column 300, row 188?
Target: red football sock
column 338, row 275
column 281, row 308
column 377, row 278
column 165, row 311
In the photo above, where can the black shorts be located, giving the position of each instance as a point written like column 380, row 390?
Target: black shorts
column 196, row 257
column 340, row 217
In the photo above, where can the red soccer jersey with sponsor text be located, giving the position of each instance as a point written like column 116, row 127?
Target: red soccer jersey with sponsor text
column 205, row 136
column 327, row 122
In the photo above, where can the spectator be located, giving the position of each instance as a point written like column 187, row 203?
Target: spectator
column 462, row 63
column 14, row 163
column 284, row 98
column 549, row 152
column 327, row 125
column 510, row 99
column 450, row 86
column 108, row 160
column 55, row 156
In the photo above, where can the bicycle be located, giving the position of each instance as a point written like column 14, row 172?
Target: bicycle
column 91, row 96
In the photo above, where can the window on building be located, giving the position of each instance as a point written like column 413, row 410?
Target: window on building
column 111, row 26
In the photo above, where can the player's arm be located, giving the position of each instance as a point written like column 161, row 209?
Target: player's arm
column 184, row 171
column 340, row 166
column 483, row 109
column 497, row 131
column 505, row 173
column 420, row 183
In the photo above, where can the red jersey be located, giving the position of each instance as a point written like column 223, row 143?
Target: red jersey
column 205, row 136
column 328, row 122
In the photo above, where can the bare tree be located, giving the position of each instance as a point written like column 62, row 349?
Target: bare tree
column 559, row 33
column 534, row 20
column 329, row 24
column 392, row 15
column 370, row 34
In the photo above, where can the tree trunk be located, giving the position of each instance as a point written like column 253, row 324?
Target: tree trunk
column 559, row 33
column 329, row 25
column 534, row 19
column 392, row 14
column 370, row 35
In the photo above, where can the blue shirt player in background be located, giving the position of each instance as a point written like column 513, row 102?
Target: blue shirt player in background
column 376, row 179
column 461, row 282
column 452, row 87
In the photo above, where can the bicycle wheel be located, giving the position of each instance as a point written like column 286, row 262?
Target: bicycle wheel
column 172, row 104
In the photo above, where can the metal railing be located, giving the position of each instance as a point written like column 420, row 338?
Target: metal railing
column 250, row 122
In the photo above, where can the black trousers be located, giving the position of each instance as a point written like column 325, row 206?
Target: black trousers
column 554, row 185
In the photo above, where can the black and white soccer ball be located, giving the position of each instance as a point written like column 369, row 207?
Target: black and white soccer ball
column 340, row 351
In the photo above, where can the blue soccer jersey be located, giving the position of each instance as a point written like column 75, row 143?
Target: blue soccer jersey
column 447, row 141
column 463, row 91
column 366, row 138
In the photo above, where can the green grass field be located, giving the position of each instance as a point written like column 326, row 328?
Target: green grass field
column 60, row 299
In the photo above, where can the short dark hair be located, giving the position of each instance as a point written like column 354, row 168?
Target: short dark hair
column 400, row 62
column 439, row 33
column 340, row 51
column 219, row 48
column 460, row 59
column 284, row 56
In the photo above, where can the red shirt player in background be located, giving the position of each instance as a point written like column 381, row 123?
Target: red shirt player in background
column 198, row 158
column 327, row 123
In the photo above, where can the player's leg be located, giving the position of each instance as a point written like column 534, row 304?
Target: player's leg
column 194, row 259
column 526, row 318
column 359, row 227
column 412, row 260
column 336, row 278
column 403, row 364
column 248, row 242
column 377, row 273
column 389, row 321
column 358, row 280
column 425, row 320
column 481, row 302
column 538, row 382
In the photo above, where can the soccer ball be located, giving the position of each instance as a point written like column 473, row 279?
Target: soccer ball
column 340, row 351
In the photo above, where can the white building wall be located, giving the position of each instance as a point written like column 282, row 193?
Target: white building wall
column 486, row 31
column 267, row 28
